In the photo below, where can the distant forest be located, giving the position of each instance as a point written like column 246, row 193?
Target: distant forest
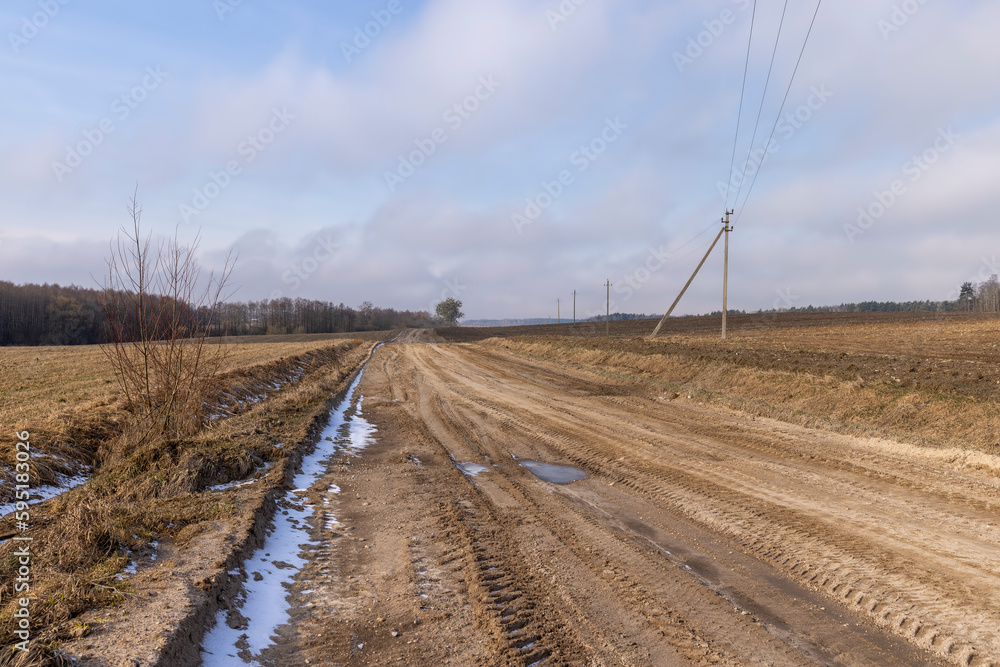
column 981, row 298
column 54, row 315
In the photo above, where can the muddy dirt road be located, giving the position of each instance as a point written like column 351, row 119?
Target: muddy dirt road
column 699, row 537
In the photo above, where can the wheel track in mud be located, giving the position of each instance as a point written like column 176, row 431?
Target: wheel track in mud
column 671, row 624
column 813, row 559
column 516, row 613
column 509, row 423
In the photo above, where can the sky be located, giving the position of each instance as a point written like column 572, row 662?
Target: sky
column 510, row 152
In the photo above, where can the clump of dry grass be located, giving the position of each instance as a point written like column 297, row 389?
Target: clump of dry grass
column 156, row 489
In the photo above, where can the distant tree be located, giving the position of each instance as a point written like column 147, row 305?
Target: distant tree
column 67, row 321
column 966, row 296
column 366, row 314
column 988, row 296
column 449, row 311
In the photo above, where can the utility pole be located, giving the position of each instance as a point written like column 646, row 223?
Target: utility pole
column 607, row 312
column 574, row 306
column 725, row 275
column 663, row 321
column 558, row 316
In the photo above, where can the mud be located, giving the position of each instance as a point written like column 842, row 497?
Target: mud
column 699, row 537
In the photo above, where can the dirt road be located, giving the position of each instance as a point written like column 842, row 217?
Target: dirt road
column 699, row 537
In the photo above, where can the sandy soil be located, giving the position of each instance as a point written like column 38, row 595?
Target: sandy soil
column 700, row 537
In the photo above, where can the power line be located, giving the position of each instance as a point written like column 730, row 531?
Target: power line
column 692, row 240
column 760, row 109
column 739, row 116
column 783, row 102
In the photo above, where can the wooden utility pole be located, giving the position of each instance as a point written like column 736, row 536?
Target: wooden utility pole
column 725, row 275
column 558, row 315
column 574, row 306
column 607, row 312
column 663, row 321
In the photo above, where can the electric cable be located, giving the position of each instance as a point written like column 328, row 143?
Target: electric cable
column 760, row 109
column 739, row 116
column 783, row 102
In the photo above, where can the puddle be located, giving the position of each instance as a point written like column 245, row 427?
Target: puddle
column 553, row 473
column 471, row 469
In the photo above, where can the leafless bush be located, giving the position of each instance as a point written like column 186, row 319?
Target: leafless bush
column 160, row 312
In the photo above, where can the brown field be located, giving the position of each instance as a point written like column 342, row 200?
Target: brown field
column 38, row 383
column 67, row 397
column 815, row 490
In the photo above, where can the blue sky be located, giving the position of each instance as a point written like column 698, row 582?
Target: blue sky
column 267, row 128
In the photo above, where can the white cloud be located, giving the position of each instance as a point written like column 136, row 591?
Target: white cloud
column 451, row 220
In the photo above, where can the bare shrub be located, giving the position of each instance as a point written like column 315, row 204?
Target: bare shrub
column 160, row 312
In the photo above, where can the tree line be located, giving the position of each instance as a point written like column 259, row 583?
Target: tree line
column 983, row 297
column 303, row 316
column 54, row 315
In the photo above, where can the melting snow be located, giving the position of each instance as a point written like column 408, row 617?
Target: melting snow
column 240, row 482
column 265, row 604
column 128, row 570
column 45, row 492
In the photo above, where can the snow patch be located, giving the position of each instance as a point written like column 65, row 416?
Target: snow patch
column 43, row 493
column 265, row 604
column 241, row 482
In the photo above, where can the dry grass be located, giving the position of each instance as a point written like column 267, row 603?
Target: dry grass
column 38, row 382
column 84, row 537
column 67, row 399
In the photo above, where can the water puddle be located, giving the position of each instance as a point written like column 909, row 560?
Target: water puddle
column 263, row 602
column 553, row 473
column 471, row 469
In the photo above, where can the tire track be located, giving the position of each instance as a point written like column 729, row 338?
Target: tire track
column 809, row 549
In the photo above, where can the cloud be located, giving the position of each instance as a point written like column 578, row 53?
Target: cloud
column 321, row 183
